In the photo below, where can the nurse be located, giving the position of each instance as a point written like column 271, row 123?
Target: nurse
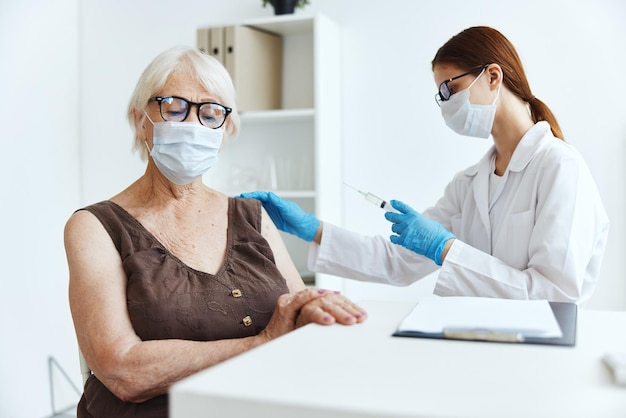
column 524, row 222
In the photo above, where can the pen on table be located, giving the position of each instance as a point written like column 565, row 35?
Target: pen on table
column 483, row 335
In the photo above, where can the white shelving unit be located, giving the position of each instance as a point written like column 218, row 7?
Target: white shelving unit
column 294, row 151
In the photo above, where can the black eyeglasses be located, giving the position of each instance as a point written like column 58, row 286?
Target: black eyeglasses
column 444, row 93
column 176, row 109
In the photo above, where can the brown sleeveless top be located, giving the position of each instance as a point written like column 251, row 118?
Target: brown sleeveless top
column 167, row 299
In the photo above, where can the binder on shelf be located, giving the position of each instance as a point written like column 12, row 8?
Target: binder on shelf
column 253, row 59
column 216, row 44
column 565, row 315
column 203, row 39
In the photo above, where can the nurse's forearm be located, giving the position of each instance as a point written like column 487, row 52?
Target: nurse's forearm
column 318, row 234
column 446, row 248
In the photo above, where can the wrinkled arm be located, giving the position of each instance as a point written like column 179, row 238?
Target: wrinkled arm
column 283, row 260
column 329, row 309
column 132, row 369
column 136, row 370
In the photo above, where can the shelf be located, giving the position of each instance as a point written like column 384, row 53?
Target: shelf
column 286, row 25
column 294, row 151
column 282, row 115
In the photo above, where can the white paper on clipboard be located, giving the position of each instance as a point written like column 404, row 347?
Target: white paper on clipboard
column 530, row 318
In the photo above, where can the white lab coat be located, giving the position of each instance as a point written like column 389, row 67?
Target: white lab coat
column 543, row 237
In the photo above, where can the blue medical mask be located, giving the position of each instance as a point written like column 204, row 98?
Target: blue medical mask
column 184, row 151
column 466, row 118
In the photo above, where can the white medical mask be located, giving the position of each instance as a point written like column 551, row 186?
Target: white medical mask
column 466, row 118
column 184, row 151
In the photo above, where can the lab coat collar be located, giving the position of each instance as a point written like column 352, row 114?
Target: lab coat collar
column 528, row 146
column 521, row 156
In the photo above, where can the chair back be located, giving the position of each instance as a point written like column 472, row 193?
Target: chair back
column 84, row 367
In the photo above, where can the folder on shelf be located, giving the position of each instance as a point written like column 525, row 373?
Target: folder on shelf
column 216, row 44
column 253, row 59
column 493, row 320
column 203, row 39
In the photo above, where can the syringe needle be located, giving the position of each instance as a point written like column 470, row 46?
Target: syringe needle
column 355, row 189
column 381, row 203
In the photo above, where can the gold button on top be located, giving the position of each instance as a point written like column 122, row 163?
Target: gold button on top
column 247, row 321
column 236, row 293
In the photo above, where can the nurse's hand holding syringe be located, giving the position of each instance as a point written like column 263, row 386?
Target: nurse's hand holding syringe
column 418, row 233
column 414, row 231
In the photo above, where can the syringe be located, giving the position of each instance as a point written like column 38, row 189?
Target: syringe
column 381, row 203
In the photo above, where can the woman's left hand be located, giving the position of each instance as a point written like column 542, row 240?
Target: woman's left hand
column 332, row 307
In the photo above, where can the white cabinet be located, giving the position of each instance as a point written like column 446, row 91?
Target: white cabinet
column 294, row 151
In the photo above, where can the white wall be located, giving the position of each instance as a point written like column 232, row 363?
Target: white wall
column 573, row 52
column 118, row 40
column 39, row 119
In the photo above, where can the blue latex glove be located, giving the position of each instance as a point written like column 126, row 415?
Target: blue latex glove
column 417, row 233
column 286, row 215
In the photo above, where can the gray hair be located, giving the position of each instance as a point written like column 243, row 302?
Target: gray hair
column 201, row 67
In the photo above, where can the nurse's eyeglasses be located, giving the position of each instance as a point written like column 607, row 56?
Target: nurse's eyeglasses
column 176, row 109
column 444, row 93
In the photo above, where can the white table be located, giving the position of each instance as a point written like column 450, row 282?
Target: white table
column 362, row 371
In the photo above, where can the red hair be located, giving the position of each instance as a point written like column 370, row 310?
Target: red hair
column 480, row 45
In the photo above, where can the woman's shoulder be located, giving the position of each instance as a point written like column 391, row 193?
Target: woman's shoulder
column 106, row 209
column 85, row 222
column 92, row 210
column 556, row 151
column 246, row 209
column 244, row 202
column 540, row 149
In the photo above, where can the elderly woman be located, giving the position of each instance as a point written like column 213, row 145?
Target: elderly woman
column 170, row 277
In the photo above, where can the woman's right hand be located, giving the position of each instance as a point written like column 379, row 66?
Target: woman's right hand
column 311, row 305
